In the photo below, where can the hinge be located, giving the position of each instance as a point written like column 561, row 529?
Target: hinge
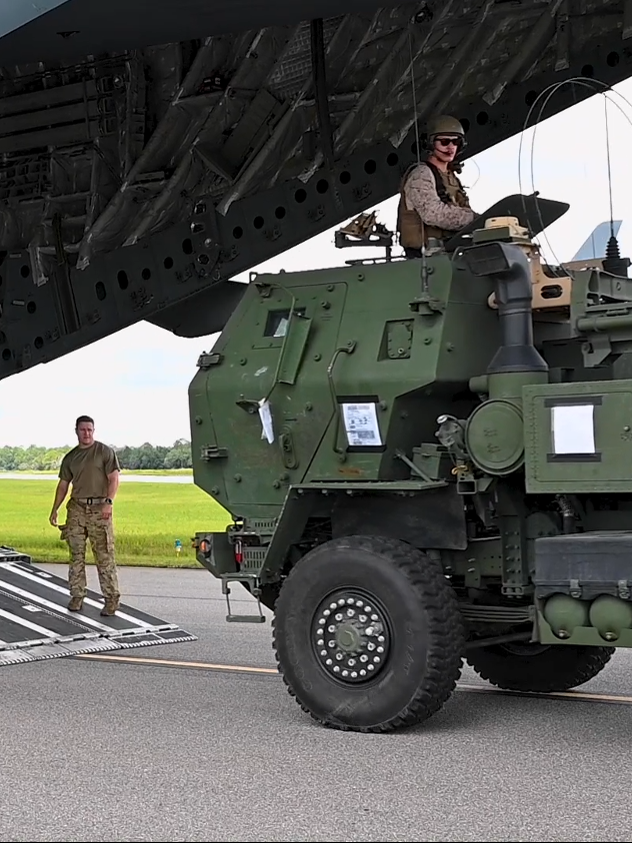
column 208, row 359
column 288, row 454
column 213, row 452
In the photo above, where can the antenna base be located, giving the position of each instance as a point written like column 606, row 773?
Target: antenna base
column 613, row 262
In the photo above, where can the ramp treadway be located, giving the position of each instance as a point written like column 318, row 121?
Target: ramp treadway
column 36, row 625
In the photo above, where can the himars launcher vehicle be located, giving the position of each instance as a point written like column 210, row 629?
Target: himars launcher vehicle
column 427, row 460
column 419, row 468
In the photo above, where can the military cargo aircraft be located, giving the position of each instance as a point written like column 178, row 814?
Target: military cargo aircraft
column 151, row 151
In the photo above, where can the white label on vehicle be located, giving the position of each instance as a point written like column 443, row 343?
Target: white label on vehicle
column 573, row 429
column 361, row 425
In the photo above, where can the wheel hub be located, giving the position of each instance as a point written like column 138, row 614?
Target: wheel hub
column 351, row 637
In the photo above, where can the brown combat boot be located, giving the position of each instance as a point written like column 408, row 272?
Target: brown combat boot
column 75, row 604
column 110, row 607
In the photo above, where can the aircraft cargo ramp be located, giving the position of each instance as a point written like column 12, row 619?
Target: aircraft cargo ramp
column 36, row 625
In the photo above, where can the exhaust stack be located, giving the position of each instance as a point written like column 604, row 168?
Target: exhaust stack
column 509, row 267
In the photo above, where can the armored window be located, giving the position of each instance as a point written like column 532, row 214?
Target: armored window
column 277, row 321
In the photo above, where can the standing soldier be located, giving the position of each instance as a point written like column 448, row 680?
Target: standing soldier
column 433, row 203
column 93, row 469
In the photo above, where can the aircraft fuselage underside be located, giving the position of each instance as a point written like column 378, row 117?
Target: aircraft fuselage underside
column 134, row 185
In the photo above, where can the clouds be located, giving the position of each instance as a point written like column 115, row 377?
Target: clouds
column 135, row 382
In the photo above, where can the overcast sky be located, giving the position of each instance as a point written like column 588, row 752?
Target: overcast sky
column 135, row 382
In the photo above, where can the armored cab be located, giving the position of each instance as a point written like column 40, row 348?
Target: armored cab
column 426, row 461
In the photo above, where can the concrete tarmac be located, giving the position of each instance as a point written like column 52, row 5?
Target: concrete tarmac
column 127, row 749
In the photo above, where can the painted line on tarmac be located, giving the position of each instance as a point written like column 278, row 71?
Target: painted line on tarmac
column 235, row 668
column 577, row 696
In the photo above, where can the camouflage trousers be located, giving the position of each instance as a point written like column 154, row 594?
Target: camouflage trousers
column 87, row 522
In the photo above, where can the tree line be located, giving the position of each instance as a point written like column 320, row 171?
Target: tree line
column 147, row 456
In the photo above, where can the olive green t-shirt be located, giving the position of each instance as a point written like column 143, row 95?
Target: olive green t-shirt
column 88, row 468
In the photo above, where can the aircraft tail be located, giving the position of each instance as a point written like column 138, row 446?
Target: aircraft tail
column 594, row 247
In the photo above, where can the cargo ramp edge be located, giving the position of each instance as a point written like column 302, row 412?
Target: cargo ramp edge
column 36, row 625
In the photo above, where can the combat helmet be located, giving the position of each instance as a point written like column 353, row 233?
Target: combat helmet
column 443, row 124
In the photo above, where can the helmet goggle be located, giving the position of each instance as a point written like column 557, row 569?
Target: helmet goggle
column 445, row 142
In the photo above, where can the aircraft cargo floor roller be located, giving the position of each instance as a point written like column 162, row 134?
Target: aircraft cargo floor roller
column 36, row 625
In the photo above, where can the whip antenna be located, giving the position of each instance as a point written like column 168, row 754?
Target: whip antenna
column 613, row 262
column 424, row 259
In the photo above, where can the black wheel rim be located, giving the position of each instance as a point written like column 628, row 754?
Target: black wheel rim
column 351, row 637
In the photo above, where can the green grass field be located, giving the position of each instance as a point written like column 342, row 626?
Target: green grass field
column 148, row 518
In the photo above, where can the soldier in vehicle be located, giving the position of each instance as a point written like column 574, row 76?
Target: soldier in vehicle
column 433, row 202
column 93, row 469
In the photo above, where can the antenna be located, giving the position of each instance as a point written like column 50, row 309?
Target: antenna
column 424, row 257
column 605, row 110
column 613, row 262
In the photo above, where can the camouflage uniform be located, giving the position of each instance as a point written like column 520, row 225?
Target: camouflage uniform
column 423, row 213
column 88, row 470
column 83, row 522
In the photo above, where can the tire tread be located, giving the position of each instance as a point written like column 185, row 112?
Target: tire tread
column 447, row 641
column 554, row 672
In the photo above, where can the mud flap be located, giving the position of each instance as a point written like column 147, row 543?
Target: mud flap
column 36, row 625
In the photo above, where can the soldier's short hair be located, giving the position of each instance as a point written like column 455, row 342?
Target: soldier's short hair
column 84, row 419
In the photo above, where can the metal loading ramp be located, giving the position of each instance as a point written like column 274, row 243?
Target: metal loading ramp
column 36, row 625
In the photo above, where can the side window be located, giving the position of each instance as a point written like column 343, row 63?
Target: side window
column 277, row 322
